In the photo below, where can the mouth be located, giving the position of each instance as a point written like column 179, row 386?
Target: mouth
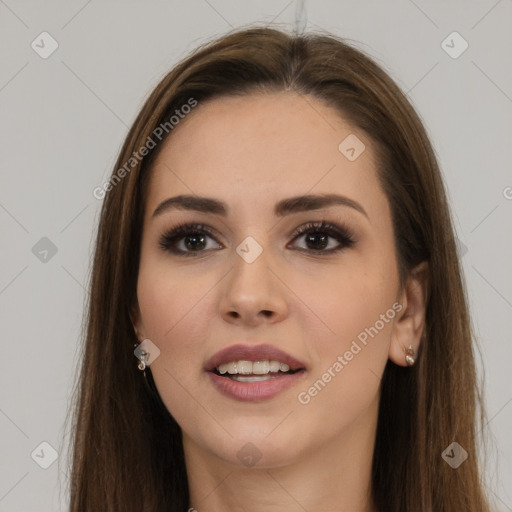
column 253, row 372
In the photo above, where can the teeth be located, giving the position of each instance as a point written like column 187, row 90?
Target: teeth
column 274, row 366
column 252, row 378
column 228, row 367
column 243, row 367
column 260, row 367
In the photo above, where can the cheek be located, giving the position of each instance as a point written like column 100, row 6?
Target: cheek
column 348, row 314
column 355, row 304
column 349, row 364
column 169, row 296
column 176, row 311
column 338, row 303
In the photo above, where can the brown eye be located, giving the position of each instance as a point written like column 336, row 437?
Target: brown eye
column 194, row 242
column 317, row 234
column 187, row 239
column 317, row 240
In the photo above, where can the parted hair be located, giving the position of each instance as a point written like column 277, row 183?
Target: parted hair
column 126, row 451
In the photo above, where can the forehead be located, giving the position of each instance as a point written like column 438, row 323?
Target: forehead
column 261, row 147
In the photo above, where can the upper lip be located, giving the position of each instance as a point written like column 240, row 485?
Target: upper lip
column 253, row 353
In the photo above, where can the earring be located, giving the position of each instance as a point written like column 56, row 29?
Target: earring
column 142, row 360
column 142, row 364
column 409, row 356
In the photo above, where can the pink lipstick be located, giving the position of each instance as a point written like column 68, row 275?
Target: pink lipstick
column 253, row 372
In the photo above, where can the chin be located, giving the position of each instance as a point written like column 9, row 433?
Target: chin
column 254, row 445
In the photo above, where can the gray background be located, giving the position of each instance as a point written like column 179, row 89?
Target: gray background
column 63, row 119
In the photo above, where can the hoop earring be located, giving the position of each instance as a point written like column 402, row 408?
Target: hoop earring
column 410, row 356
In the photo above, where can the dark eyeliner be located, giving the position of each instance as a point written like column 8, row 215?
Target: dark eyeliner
column 340, row 233
column 169, row 238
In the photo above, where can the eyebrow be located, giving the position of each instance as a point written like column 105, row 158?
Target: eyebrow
column 284, row 207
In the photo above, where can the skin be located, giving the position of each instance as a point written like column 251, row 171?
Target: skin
column 251, row 152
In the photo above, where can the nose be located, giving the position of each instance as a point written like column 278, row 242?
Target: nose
column 253, row 293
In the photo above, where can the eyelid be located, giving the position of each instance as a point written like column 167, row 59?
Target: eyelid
column 179, row 231
column 334, row 230
column 186, row 227
column 338, row 231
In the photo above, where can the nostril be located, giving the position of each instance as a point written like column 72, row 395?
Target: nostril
column 265, row 312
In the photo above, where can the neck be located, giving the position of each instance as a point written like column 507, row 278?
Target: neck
column 335, row 476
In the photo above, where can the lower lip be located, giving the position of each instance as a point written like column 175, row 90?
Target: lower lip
column 254, row 391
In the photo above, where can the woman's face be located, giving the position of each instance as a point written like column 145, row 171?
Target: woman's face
column 325, row 301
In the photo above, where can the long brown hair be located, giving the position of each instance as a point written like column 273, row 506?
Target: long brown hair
column 127, row 452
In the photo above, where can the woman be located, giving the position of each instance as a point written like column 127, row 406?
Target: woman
column 276, row 250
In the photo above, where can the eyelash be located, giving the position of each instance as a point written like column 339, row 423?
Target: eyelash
column 340, row 233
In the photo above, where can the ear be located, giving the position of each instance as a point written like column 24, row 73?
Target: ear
column 409, row 324
column 138, row 326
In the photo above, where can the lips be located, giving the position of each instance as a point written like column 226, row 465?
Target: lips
column 252, row 353
column 253, row 388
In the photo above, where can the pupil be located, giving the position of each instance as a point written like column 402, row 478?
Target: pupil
column 194, row 246
column 317, row 237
